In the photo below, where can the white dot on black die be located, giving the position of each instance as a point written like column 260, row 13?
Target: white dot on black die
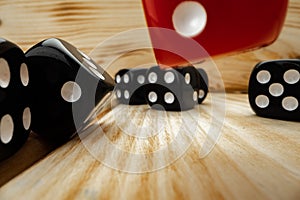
column 118, row 94
column 263, row 76
column 140, row 79
column 118, row 78
column 152, row 77
column 187, row 78
column 195, row 96
column 152, row 96
column 126, row 78
column 290, row 103
column 6, row 129
column 276, row 89
column 291, row 76
column 169, row 77
column 169, row 98
column 201, row 94
column 4, row 73
column 126, row 94
column 262, row 101
column 26, row 118
column 24, row 75
column 71, row 91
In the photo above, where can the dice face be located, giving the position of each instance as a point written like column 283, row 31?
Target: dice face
column 63, row 79
column 130, row 86
column 15, row 113
column 274, row 89
column 218, row 26
column 172, row 89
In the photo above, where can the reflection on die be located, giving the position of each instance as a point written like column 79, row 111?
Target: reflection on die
column 218, row 26
column 15, row 115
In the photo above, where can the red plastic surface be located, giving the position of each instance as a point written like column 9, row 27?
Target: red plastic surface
column 232, row 26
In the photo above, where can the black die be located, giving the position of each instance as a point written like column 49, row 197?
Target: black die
column 63, row 80
column 274, row 89
column 130, row 86
column 15, row 115
column 202, row 85
column 197, row 78
column 171, row 89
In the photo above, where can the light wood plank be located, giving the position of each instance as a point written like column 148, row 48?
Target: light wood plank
column 255, row 158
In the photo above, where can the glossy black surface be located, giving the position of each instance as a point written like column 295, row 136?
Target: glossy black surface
column 203, row 85
column 134, row 88
column 52, row 63
column 179, row 90
column 13, row 100
column 273, row 108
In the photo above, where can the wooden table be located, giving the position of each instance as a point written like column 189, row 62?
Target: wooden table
column 254, row 158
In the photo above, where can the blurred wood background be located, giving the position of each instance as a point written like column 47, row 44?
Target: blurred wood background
column 255, row 158
column 86, row 24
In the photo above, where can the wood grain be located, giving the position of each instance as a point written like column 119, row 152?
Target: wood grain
column 87, row 24
column 33, row 150
column 255, row 158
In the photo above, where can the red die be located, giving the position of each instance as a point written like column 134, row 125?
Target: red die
column 219, row 26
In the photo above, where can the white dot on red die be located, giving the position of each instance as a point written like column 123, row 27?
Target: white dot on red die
column 24, row 75
column 71, row 92
column 189, row 18
column 6, row 129
column 4, row 73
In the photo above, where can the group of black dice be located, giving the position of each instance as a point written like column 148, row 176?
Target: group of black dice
column 273, row 88
column 40, row 89
column 174, row 89
column 53, row 87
